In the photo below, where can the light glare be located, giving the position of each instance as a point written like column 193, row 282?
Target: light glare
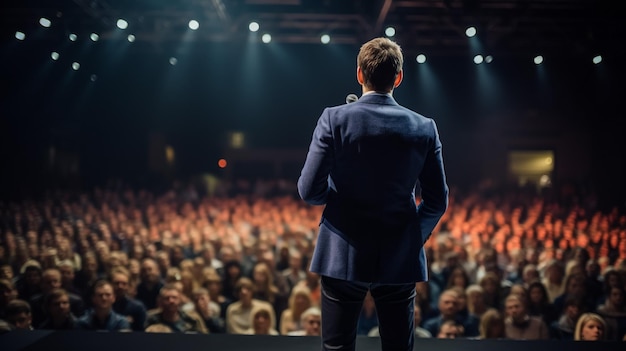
column 266, row 38
column 470, row 32
column 122, row 24
column 45, row 22
column 421, row 58
column 325, row 39
column 390, row 31
column 253, row 26
column 194, row 25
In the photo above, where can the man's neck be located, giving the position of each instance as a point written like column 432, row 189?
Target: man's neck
column 102, row 314
column 171, row 316
column 367, row 91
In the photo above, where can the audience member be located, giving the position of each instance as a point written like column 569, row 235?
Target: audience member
column 101, row 316
column 51, row 280
column 520, row 325
column 492, row 325
column 209, row 311
column 299, row 301
column 238, row 314
column 450, row 329
column 563, row 327
column 262, row 321
column 590, row 327
column 150, row 284
column 57, row 310
column 132, row 309
column 18, row 315
column 170, row 314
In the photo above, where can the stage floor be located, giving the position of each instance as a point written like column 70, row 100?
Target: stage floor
column 96, row 341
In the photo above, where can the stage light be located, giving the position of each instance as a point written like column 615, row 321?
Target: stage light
column 131, row 38
column 597, row 59
column 20, row 35
column 538, row 60
column 325, row 39
column 122, row 24
column 75, row 66
column 266, row 38
column 421, row 58
column 253, row 26
column 73, row 37
column 93, row 78
column 54, row 55
column 488, row 59
column 390, row 31
column 94, row 37
column 194, row 25
column 173, row 61
column 470, row 32
column 478, row 59
column 222, row 163
column 45, row 22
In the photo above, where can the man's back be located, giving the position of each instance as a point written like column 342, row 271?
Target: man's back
column 379, row 151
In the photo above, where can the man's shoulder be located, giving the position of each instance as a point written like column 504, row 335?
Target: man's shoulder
column 436, row 320
column 134, row 303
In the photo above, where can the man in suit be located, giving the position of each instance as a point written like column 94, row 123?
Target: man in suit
column 364, row 162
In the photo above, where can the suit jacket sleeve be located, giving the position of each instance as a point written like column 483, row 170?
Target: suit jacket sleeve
column 434, row 190
column 313, row 184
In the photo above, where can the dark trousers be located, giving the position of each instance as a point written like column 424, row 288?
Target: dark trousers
column 341, row 305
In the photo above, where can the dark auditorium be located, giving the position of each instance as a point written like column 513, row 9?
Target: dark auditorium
column 279, row 175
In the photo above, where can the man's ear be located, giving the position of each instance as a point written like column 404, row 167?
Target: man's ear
column 398, row 80
column 359, row 75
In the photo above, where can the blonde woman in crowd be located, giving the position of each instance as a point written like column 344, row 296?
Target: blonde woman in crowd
column 590, row 327
column 262, row 321
column 299, row 301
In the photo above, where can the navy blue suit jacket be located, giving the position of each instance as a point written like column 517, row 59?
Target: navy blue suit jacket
column 364, row 162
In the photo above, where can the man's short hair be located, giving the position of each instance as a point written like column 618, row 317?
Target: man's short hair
column 98, row 284
column 381, row 61
column 244, row 283
column 53, row 295
column 120, row 270
column 16, row 307
column 168, row 287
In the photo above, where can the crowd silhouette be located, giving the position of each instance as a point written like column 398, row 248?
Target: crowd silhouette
column 511, row 263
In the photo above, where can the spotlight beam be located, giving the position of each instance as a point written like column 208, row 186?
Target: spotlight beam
column 220, row 8
column 382, row 16
column 99, row 9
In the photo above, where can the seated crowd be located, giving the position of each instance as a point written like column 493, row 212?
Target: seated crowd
column 516, row 265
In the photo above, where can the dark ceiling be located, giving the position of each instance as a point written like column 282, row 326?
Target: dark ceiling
column 434, row 27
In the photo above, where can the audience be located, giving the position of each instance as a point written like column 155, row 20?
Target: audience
column 238, row 258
